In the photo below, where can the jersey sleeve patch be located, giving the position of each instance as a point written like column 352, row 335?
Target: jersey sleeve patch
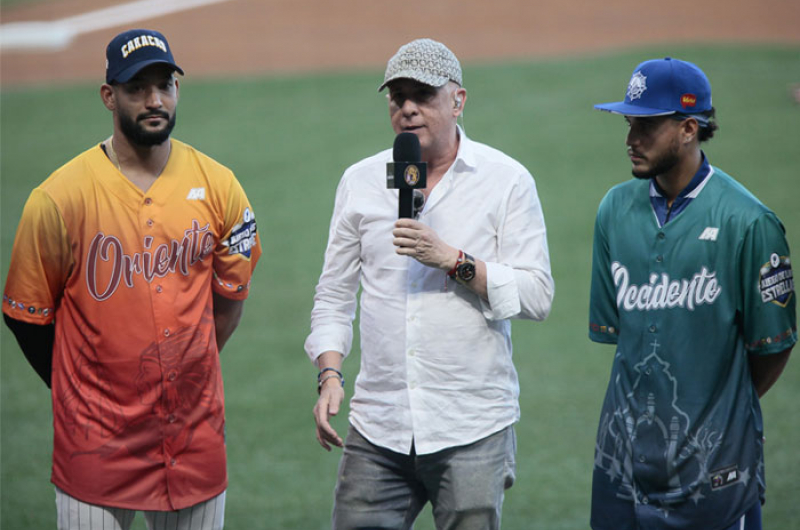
column 242, row 238
column 775, row 280
column 15, row 306
column 777, row 339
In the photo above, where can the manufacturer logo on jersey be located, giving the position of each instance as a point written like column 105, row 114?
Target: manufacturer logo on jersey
column 664, row 293
column 709, row 234
column 725, row 477
column 243, row 235
column 637, row 86
column 104, row 280
column 688, row 100
column 196, row 194
column 776, row 281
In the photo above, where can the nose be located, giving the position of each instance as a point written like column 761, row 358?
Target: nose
column 409, row 107
column 631, row 138
column 153, row 99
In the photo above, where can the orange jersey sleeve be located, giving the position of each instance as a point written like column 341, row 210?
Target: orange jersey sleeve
column 40, row 262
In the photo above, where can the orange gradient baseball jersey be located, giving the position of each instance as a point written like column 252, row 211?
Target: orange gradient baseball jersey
column 138, row 406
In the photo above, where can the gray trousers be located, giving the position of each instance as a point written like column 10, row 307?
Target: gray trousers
column 380, row 489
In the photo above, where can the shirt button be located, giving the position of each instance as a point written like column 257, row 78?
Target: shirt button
column 171, row 418
column 414, row 285
column 159, row 288
column 166, row 332
column 148, row 201
column 172, row 376
column 412, row 385
column 642, row 458
column 149, row 222
column 652, row 329
column 411, row 352
column 661, row 235
column 659, row 259
column 648, row 371
column 173, row 462
column 645, row 500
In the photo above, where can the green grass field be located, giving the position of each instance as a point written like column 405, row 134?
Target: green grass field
column 288, row 140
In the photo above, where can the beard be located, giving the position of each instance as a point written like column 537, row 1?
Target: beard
column 661, row 164
column 138, row 135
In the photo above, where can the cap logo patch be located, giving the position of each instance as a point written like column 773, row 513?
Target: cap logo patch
column 637, row 86
column 688, row 100
column 140, row 42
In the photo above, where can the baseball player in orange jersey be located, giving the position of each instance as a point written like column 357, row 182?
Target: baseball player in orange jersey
column 128, row 274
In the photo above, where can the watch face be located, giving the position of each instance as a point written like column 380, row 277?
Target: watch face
column 466, row 272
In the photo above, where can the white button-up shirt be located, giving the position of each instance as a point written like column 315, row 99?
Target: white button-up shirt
column 436, row 368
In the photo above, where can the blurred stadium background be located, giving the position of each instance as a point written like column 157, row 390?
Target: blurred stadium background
column 284, row 93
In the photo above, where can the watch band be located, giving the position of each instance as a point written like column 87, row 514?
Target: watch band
column 459, row 261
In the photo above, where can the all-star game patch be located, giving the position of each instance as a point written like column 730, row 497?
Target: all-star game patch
column 243, row 235
column 775, row 281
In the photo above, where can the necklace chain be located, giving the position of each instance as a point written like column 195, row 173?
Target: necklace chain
column 112, row 155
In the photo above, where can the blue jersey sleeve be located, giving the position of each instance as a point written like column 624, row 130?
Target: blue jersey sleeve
column 769, row 321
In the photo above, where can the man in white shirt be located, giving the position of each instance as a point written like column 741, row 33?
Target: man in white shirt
column 437, row 393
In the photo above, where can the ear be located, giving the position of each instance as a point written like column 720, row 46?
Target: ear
column 177, row 88
column 689, row 129
column 108, row 96
column 459, row 101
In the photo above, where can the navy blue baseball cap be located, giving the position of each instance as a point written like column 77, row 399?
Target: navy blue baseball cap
column 661, row 87
column 132, row 50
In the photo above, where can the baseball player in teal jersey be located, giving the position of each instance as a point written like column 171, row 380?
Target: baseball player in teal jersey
column 692, row 280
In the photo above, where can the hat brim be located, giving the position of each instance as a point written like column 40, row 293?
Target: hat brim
column 626, row 109
column 429, row 79
column 126, row 75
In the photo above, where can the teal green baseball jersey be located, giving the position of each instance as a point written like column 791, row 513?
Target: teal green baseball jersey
column 679, row 444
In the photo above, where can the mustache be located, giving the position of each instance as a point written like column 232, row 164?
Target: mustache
column 155, row 114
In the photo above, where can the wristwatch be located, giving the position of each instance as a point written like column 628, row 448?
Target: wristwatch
column 464, row 270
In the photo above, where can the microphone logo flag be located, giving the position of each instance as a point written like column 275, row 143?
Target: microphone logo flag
column 411, row 175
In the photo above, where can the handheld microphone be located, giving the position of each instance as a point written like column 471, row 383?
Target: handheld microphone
column 407, row 173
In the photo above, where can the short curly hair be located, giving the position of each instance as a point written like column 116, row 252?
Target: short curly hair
column 707, row 131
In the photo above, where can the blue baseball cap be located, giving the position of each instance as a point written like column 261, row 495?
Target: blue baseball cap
column 661, row 87
column 134, row 49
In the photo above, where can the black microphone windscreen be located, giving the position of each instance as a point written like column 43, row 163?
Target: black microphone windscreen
column 406, row 148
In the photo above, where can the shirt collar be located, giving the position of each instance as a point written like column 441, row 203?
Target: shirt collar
column 694, row 186
column 465, row 158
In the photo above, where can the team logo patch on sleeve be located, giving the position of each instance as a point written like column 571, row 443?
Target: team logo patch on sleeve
column 775, row 281
column 243, row 235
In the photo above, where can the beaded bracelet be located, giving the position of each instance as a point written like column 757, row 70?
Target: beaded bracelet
column 321, row 380
column 329, row 369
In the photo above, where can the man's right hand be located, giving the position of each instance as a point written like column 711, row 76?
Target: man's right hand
column 330, row 399
column 331, row 395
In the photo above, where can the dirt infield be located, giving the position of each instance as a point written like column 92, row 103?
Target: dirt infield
column 245, row 36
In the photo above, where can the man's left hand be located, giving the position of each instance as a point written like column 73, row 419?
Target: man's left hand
column 421, row 242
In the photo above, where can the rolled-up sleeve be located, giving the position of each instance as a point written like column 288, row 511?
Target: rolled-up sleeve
column 520, row 284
